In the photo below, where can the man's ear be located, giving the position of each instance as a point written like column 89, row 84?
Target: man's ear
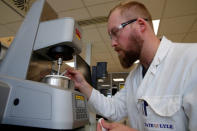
column 142, row 24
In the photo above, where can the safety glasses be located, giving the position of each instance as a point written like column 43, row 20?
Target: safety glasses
column 114, row 33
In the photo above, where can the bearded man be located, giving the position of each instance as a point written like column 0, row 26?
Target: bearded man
column 160, row 92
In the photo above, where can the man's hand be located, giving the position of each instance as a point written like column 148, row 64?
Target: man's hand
column 113, row 126
column 76, row 76
column 79, row 81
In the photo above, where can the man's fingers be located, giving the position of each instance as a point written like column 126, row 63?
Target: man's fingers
column 106, row 125
column 99, row 128
column 70, row 70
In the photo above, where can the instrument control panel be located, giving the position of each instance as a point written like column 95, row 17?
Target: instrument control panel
column 79, row 107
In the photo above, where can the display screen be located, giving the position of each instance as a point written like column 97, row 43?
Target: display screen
column 80, row 101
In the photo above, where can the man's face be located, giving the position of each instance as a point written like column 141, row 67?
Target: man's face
column 126, row 41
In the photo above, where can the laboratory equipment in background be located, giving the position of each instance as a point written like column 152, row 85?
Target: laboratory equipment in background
column 29, row 103
column 101, row 69
column 99, row 72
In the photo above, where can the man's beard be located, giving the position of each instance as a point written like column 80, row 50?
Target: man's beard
column 130, row 56
column 128, row 59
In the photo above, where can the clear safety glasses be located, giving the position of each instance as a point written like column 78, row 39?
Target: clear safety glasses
column 114, row 33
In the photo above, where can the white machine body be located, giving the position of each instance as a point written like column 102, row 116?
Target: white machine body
column 61, row 31
column 34, row 104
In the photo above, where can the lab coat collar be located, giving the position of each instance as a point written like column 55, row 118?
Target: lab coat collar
column 161, row 53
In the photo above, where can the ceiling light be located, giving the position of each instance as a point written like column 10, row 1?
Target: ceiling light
column 137, row 61
column 100, row 80
column 105, row 85
column 71, row 64
column 118, row 79
column 156, row 25
column 108, row 95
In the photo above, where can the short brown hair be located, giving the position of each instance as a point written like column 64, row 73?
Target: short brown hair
column 133, row 9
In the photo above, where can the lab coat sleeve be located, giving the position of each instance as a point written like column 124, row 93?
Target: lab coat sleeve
column 112, row 108
column 190, row 98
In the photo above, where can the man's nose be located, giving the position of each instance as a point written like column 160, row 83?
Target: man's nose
column 114, row 43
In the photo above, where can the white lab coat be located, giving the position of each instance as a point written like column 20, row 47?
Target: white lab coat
column 164, row 100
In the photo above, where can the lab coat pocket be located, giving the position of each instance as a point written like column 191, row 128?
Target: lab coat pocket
column 163, row 105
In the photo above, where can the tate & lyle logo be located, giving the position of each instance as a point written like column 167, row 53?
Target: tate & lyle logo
column 162, row 126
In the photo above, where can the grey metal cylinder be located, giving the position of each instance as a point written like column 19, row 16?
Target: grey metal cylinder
column 57, row 80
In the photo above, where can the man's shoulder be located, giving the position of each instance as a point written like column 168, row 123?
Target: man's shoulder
column 181, row 48
column 185, row 47
column 177, row 43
